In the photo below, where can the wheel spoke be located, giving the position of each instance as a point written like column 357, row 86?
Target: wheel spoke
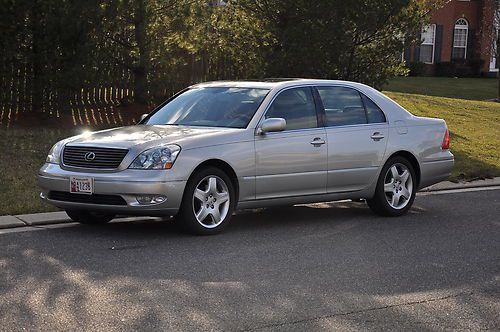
column 200, row 195
column 394, row 171
column 405, row 193
column 388, row 187
column 395, row 200
column 405, row 176
column 202, row 214
column 222, row 197
column 215, row 215
column 212, row 185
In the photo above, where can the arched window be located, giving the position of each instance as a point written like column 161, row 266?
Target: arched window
column 460, row 35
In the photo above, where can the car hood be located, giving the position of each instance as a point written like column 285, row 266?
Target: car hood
column 145, row 136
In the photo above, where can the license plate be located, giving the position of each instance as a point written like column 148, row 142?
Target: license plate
column 81, row 185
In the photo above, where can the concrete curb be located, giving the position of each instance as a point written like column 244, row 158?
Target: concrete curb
column 45, row 218
column 10, row 222
column 448, row 185
column 50, row 218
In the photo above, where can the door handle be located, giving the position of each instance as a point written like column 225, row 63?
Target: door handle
column 317, row 142
column 377, row 136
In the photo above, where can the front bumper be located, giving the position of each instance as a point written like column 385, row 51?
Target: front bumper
column 127, row 184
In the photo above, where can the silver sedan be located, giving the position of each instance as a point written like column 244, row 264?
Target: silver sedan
column 215, row 147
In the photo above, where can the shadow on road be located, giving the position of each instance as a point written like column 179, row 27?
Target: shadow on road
column 329, row 266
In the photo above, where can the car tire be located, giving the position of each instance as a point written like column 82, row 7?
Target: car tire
column 395, row 190
column 89, row 218
column 208, row 202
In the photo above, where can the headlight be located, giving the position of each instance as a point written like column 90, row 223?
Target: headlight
column 54, row 156
column 162, row 157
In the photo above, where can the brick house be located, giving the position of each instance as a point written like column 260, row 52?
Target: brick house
column 459, row 40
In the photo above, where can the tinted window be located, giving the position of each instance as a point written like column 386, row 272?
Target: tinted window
column 375, row 114
column 211, row 107
column 296, row 106
column 343, row 106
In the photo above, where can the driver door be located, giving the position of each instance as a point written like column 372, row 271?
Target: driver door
column 292, row 162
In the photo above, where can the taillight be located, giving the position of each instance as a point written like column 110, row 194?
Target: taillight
column 446, row 141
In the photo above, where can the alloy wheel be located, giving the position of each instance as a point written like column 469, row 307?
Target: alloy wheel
column 211, row 201
column 398, row 186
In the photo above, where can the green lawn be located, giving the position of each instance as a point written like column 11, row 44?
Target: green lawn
column 23, row 153
column 474, row 128
column 461, row 88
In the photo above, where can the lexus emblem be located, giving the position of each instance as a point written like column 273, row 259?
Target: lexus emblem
column 89, row 156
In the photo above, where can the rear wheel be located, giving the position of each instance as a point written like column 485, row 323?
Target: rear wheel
column 89, row 218
column 396, row 188
column 208, row 202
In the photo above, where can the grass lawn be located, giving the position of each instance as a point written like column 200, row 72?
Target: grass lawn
column 23, row 153
column 474, row 126
column 461, row 88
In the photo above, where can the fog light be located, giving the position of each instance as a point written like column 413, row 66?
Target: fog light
column 150, row 199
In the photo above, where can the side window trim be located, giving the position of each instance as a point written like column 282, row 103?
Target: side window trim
column 374, row 103
column 322, row 111
column 364, row 106
column 319, row 122
column 320, row 108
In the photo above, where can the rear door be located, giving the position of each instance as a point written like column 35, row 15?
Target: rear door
column 292, row 162
column 357, row 134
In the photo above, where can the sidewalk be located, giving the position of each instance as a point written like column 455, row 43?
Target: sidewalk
column 49, row 218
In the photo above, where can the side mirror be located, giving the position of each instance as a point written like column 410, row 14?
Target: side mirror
column 272, row 125
column 143, row 117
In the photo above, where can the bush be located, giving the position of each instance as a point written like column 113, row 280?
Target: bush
column 416, row 68
column 459, row 68
column 446, row 69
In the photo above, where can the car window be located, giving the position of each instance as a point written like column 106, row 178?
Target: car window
column 230, row 107
column 297, row 107
column 375, row 114
column 343, row 106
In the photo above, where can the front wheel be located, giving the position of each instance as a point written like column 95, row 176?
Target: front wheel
column 89, row 218
column 396, row 188
column 208, row 202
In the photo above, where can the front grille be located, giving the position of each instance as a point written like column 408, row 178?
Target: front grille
column 90, row 199
column 104, row 158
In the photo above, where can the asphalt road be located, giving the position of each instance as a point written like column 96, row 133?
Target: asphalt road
column 315, row 267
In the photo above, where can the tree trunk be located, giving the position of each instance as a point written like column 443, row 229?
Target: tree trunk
column 141, row 69
column 37, row 42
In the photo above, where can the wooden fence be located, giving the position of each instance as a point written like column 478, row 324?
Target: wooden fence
column 105, row 104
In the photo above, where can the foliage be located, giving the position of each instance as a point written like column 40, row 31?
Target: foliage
column 357, row 40
column 53, row 48
column 416, row 68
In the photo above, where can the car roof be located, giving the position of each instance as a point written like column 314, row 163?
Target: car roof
column 271, row 83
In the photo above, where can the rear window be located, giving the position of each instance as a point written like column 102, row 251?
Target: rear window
column 343, row 106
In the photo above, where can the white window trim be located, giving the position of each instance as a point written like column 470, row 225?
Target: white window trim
column 433, row 41
column 461, row 27
column 493, row 59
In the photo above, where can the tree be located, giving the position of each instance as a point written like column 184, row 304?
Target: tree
column 495, row 34
column 352, row 40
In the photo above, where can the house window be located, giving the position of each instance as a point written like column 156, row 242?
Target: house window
column 460, row 35
column 428, row 40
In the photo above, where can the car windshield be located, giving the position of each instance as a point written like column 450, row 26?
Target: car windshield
column 210, row 107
